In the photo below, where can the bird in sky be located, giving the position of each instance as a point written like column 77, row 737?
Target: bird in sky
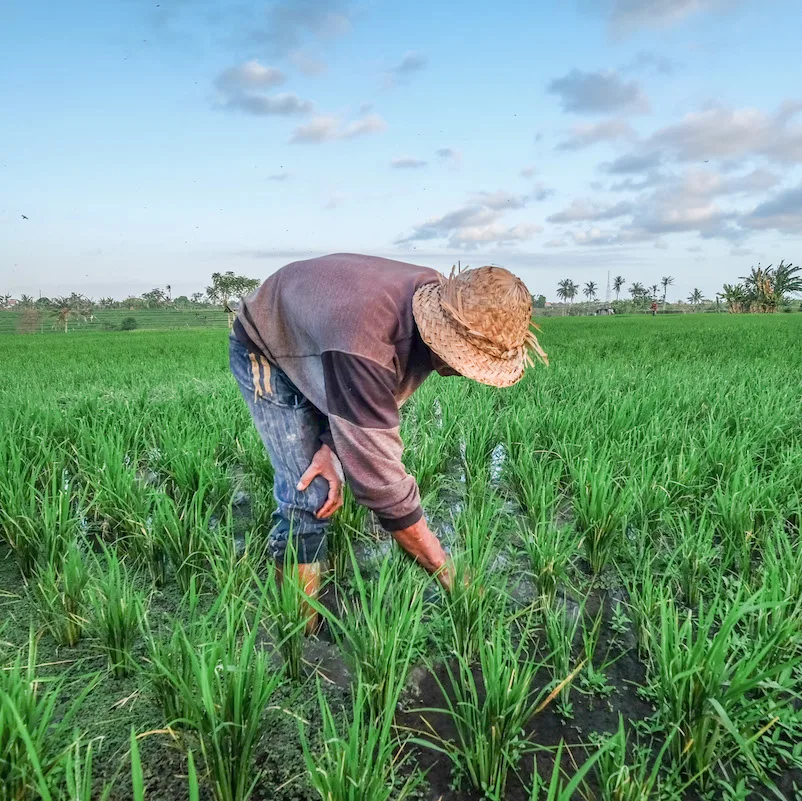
column 24, row 217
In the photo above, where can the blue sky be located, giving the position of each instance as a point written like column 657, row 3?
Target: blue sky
column 156, row 142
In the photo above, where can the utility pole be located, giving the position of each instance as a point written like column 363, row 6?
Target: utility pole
column 607, row 293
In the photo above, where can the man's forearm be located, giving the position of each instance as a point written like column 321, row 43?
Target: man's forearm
column 424, row 547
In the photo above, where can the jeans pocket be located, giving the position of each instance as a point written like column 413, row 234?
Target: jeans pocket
column 282, row 391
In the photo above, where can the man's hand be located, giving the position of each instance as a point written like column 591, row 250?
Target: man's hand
column 424, row 547
column 326, row 464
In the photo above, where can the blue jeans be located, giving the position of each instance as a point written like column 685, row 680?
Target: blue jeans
column 290, row 428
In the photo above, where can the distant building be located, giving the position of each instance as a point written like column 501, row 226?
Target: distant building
column 604, row 311
column 10, row 304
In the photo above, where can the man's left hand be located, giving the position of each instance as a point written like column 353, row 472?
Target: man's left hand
column 326, row 464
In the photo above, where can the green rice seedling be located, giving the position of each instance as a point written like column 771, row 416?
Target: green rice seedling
column 182, row 533
column 60, row 588
column 347, row 525
column 380, row 628
column 622, row 780
column 704, row 685
column 536, row 480
column 561, row 627
column 288, row 611
column 138, row 778
column 476, row 591
column 171, row 674
column 225, row 685
column 118, row 611
column 78, row 779
column 119, row 502
column 489, row 714
column 695, row 556
column 646, row 596
column 551, row 550
column 601, row 508
column 358, row 758
column 33, row 727
column 556, row 789
column 593, row 677
column 36, row 522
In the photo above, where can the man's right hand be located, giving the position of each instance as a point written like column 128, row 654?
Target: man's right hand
column 422, row 545
column 326, row 464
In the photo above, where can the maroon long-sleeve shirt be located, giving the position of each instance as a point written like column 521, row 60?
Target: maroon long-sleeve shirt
column 341, row 328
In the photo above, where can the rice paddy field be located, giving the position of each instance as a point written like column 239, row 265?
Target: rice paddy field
column 626, row 622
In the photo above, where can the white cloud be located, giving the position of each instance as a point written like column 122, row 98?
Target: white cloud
column 284, row 104
column 727, row 133
column 328, row 128
column 479, row 222
column 500, row 199
column 290, row 23
column 627, row 15
column 247, row 77
column 411, row 63
column 601, row 92
column 783, row 213
column 584, row 210
column 611, row 130
column 407, row 163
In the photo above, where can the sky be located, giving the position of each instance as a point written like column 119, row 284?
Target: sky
column 153, row 142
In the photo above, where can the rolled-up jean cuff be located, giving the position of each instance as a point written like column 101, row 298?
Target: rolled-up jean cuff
column 308, row 547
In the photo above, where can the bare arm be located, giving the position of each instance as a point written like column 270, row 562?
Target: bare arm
column 422, row 545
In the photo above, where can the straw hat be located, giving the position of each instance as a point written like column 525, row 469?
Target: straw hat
column 480, row 323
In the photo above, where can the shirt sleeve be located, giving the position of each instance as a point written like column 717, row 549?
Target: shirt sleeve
column 364, row 428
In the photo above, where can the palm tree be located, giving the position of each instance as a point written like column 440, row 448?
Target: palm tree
column 653, row 291
column 590, row 290
column 65, row 308
column 638, row 293
column 618, row 283
column 666, row 282
column 695, row 298
column 25, row 302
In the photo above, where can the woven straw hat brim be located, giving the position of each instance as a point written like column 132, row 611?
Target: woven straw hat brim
column 439, row 333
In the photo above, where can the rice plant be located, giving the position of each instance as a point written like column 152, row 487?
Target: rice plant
column 476, row 592
column 622, row 779
column 288, row 610
column 551, row 551
column 357, row 756
column 34, row 726
column 561, row 625
column 222, row 687
column 60, row 587
column 138, row 778
column 704, row 684
column 490, row 713
column 78, row 776
column 118, row 609
column 601, row 507
column 380, row 628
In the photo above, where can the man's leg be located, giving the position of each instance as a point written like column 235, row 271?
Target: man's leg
column 290, row 429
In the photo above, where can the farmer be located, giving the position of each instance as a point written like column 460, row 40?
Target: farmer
column 325, row 352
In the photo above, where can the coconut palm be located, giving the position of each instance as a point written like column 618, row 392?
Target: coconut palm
column 653, row 291
column 590, row 290
column 638, row 293
column 696, row 297
column 666, row 281
column 618, row 284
